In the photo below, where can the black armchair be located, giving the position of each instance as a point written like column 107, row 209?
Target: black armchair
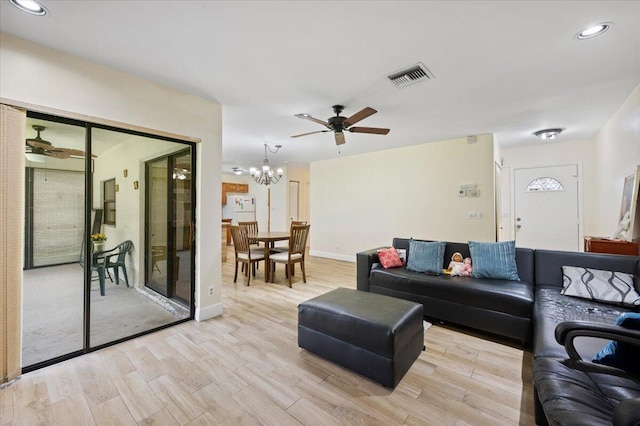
column 112, row 259
column 576, row 391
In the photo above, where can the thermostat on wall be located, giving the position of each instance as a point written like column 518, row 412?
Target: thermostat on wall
column 462, row 192
column 473, row 193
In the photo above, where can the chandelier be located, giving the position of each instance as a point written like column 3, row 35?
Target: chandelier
column 266, row 176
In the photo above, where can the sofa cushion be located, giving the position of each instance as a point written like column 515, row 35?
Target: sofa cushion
column 494, row 260
column 581, row 393
column 551, row 308
column 389, row 258
column 426, row 256
column 511, row 297
column 595, row 284
column 620, row 354
column 548, row 264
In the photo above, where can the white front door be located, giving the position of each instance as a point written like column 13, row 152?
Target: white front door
column 546, row 208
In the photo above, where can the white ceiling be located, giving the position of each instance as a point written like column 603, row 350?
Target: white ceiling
column 503, row 67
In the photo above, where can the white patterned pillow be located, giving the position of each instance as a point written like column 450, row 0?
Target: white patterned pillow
column 594, row 284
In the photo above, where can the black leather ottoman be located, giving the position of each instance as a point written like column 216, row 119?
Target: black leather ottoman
column 374, row 335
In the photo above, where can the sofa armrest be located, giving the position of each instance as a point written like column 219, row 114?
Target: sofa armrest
column 627, row 413
column 364, row 261
column 567, row 331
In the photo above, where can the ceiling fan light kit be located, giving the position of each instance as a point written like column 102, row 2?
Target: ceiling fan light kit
column 339, row 124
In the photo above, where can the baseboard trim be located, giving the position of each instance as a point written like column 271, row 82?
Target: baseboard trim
column 208, row 312
column 333, row 256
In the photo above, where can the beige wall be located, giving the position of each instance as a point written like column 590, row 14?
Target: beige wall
column 48, row 80
column 363, row 201
column 617, row 149
column 552, row 154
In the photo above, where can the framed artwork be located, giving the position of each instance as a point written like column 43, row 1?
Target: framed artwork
column 628, row 217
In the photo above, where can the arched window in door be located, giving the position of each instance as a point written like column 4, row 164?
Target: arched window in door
column 543, row 184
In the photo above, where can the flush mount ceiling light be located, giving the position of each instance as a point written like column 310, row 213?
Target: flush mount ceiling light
column 594, row 31
column 237, row 171
column 29, row 6
column 547, row 134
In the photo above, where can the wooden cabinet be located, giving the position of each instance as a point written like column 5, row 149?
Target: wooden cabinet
column 604, row 245
column 236, row 188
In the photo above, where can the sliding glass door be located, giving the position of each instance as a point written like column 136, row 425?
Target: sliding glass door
column 169, row 233
column 108, row 237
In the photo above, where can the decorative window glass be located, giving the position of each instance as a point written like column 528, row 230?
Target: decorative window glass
column 544, row 184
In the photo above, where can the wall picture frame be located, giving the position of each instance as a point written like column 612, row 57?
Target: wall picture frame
column 630, row 192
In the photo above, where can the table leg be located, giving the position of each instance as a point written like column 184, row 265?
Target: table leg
column 267, row 264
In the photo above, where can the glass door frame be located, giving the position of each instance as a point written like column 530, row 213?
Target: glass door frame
column 88, row 170
column 171, row 221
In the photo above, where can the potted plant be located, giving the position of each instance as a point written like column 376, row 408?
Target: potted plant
column 98, row 242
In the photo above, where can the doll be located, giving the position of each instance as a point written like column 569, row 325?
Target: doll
column 456, row 264
column 467, row 269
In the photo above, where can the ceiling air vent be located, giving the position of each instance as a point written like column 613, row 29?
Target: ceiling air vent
column 410, row 75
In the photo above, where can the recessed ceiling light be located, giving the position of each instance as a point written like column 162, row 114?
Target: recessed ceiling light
column 29, row 6
column 594, row 31
column 547, row 134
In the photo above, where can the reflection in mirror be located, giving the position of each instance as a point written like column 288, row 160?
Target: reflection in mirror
column 137, row 266
column 53, row 280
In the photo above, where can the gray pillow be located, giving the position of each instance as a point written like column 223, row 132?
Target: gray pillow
column 595, row 284
column 426, row 256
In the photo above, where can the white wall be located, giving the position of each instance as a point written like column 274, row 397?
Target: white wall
column 579, row 152
column 617, row 149
column 48, row 80
column 363, row 201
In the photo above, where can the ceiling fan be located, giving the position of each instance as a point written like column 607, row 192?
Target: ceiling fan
column 339, row 124
column 41, row 147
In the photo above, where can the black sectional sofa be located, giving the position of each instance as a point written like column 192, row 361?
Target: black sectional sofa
column 566, row 331
column 497, row 306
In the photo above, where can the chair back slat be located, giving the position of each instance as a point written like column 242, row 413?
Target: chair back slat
column 298, row 240
column 240, row 238
column 251, row 227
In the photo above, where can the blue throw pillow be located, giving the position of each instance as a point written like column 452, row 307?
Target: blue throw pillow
column 620, row 354
column 494, row 260
column 426, row 256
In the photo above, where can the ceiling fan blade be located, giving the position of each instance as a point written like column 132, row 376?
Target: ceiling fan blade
column 361, row 115
column 310, row 133
column 376, row 130
column 39, row 144
column 310, row 118
column 339, row 138
column 69, row 151
column 58, row 154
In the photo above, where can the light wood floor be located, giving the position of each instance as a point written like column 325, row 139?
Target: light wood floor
column 245, row 368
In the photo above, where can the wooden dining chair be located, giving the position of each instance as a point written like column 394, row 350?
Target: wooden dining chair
column 281, row 249
column 295, row 254
column 244, row 253
column 252, row 229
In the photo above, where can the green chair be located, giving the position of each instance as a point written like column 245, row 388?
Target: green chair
column 113, row 259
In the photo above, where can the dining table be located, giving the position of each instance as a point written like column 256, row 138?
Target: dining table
column 269, row 239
